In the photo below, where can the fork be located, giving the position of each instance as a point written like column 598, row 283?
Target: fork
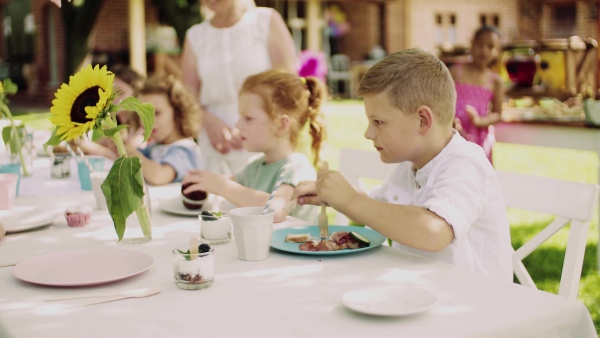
column 323, row 222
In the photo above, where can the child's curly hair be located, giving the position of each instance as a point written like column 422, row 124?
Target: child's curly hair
column 187, row 115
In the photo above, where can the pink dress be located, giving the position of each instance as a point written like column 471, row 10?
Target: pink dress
column 480, row 98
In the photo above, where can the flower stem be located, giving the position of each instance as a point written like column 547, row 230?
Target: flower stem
column 15, row 137
column 142, row 211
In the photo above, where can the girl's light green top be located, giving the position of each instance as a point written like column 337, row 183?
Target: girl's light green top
column 262, row 176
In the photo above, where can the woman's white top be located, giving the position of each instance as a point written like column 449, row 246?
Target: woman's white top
column 225, row 57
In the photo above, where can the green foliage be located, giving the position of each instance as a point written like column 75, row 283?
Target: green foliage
column 8, row 136
column 79, row 18
column 144, row 110
column 124, row 190
column 110, row 132
column 181, row 14
column 54, row 139
column 10, row 88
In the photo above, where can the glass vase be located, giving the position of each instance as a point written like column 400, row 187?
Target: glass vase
column 135, row 231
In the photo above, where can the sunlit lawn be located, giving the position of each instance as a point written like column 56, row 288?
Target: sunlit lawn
column 346, row 128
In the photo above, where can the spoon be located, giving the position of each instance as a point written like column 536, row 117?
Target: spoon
column 101, row 295
column 112, row 299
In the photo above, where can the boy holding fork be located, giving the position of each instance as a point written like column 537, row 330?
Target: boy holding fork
column 443, row 200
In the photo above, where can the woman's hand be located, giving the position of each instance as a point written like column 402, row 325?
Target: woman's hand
column 204, row 181
column 221, row 137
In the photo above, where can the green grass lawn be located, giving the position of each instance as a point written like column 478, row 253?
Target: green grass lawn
column 347, row 124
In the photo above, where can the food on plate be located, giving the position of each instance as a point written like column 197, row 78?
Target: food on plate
column 339, row 240
column 193, row 200
column 297, row 238
column 79, row 216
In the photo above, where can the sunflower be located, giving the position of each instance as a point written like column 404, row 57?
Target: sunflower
column 78, row 104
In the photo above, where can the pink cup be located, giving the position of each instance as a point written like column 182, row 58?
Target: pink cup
column 8, row 188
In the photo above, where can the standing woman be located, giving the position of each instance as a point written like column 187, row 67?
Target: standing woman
column 239, row 40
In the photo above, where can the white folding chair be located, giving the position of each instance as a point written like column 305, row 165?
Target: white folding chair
column 570, row 202
column 356, row 164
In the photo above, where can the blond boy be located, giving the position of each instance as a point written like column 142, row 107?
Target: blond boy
column 443, row 200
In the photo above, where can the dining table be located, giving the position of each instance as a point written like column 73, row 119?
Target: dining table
column 289, row 294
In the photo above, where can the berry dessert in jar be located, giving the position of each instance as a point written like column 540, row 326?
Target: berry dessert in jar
column 194, row 269
column 215, row 227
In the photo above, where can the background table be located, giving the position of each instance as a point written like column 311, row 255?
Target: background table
column 285, row 295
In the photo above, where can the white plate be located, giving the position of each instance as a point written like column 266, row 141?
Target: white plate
column 389, row 301
column 175, row 206
column 27, row 218
column 82, row 267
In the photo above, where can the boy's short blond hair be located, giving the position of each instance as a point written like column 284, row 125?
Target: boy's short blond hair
column 413, row 78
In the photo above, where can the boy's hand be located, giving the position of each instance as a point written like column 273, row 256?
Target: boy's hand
column 334, row 189
column 205, row 181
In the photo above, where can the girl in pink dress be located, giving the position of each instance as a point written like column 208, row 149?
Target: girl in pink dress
column 479, row 90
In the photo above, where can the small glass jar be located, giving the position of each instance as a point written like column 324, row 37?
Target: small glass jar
column 215, row 230
column 60, row 166
column 193, row 273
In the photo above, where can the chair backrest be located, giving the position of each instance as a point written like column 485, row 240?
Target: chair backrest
column 357, row 164
column 340, row 63
column 572, row 203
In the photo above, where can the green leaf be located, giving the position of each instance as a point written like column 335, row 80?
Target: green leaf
column 54, row 139
column 110, row 132
column 124, row 190
column 144, row 110
column 8, row 138
column 97, row 134
column 10, row 87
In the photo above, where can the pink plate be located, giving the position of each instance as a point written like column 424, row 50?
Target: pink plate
column 82, row 267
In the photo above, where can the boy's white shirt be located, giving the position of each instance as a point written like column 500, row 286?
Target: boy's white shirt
column 459, row 185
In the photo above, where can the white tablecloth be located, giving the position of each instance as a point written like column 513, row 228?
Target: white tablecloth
column 285, row 295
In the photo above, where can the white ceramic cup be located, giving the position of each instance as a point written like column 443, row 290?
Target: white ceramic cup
column 97, row 179
column 252, row 231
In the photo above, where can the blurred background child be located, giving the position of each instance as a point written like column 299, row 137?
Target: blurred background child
column 171, row 150
column 479, row 90
column 274, row 107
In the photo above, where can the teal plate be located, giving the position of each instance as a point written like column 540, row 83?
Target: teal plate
column 278, row 240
